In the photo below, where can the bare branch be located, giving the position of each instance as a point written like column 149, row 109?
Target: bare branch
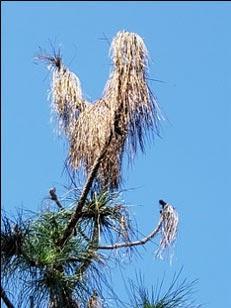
column 6, row 299
column 167, row 226
column 135, row 243
column 78, row 211
column 54, row 197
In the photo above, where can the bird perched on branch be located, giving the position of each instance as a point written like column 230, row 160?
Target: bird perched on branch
column 162, row 202
column 169, row 225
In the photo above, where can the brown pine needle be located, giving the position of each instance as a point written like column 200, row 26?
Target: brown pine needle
column 169, row 228
column 127, row 108
column 66, row 98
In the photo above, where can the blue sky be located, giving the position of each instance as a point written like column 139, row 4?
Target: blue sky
column 189, row 45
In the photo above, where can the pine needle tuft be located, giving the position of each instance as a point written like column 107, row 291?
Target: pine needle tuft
column 128, row 110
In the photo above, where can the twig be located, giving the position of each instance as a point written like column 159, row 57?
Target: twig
column 135, row 243
column 54, row 197
column 6, row 299
column 78, row 211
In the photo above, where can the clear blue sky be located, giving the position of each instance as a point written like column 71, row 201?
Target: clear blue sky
column 189, row 44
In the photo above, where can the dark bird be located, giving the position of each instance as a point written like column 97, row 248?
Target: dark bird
column 163, row 203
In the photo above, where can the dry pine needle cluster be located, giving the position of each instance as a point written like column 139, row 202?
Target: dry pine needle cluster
column 126, row 113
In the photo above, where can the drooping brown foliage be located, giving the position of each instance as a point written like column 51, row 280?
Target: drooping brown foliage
column 126, row 112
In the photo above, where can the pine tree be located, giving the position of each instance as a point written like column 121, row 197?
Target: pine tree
column 55, row 257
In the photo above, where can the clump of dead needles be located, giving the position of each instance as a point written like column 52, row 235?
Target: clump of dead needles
column 125, row 114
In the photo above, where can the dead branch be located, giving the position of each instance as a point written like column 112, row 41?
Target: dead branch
column 135, row 243
column 167, row 226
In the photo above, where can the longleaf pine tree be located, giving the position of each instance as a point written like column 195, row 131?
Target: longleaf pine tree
column 59, row 257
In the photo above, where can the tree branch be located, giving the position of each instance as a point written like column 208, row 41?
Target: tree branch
column 78, row 211
column 135, row 243
column 6, row 299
